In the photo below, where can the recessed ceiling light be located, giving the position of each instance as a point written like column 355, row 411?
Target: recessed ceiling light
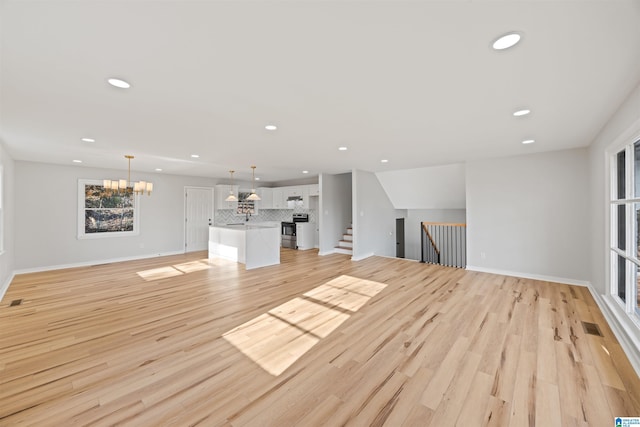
column 119, row 83
column 195, row 156
column 158, row 170
column 384, row 161
column 77, row 161
column 271, row 127
column 506, row 41
column 342, row 148
column 528, row 141
column 522, row 112
column 88, row 140
column 257, row 178
column 305, row 171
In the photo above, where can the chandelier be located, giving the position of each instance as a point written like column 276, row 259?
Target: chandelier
column 125, row 185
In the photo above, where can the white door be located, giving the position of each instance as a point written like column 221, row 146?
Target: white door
column 198, row 216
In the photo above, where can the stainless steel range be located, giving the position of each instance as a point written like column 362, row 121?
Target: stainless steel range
column 289, row 239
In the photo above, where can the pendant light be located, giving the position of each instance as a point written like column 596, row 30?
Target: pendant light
column 231, row 197
column 125, row 185
column 253, row 195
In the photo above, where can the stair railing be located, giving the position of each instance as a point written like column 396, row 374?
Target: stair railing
column 444, row 243
column 430, row 252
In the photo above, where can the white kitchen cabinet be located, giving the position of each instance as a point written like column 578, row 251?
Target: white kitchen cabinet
column 294, row 191
column 274, row 198
column 266, row 198
column 222, row 191
column 279, row 200
column 305, row 196
column 305, row 233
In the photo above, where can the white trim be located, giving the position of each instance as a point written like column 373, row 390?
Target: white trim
column 361, row 257
column 327, row 252
column 5, row 286
column 95, row 262
column 544, row 278
column 626, row 334
column 402, row 259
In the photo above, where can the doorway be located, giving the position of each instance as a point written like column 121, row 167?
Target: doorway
column 399, row 237
column 198, row 216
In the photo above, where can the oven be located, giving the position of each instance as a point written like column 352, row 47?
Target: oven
column 289, row 239
column 289, row 235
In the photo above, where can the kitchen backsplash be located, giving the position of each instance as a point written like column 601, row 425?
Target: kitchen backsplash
column 228, row 216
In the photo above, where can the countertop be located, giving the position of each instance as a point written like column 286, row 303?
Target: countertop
column 243, row 226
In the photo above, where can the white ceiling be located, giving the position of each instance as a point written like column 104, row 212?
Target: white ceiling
column 414, row 82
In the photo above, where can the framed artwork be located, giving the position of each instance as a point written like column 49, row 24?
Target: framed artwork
column 104, row 212
column 245, row 206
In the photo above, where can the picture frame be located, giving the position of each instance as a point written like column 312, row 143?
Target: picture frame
column 104, row 213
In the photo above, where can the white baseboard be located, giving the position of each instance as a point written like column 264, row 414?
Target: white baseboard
column 5, row 286
column 323, row 253
column 361, row 257
column 628, row 341
column 553, row 279
column 95, row 262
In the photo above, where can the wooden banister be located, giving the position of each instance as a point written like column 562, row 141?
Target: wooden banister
column 450, row 224
column 433, row 244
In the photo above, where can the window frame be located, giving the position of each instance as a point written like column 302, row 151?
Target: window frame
column 630, row 304
column 82, row 234
column 2, row 209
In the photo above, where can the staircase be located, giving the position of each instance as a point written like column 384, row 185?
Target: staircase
column 345, row 246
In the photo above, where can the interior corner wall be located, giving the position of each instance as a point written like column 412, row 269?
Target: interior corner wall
column 7, row 257
column 335, row 210
column 529, row 215
column 413, row 229
column 434, row 187
column 46, row 199
column 374, row 217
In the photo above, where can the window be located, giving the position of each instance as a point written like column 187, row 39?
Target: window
column 1, row 210
column 625, row 228
column 105, row 213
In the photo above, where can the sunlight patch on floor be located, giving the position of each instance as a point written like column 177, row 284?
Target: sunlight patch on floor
column 190, row 267
column 276, row 339
column 159, row 273
column 174, row 270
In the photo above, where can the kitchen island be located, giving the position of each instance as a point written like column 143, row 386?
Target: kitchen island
column 252, row 245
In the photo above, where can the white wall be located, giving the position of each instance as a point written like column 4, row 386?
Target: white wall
column 7, row 257
column 622, row 128
column 46, row 228
column 412, row 227
column 529, row 215
column 335, row 209
column 374, row 219
column 436, row 187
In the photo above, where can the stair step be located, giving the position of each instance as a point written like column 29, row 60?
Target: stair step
column 345, row 244
column 349, row 230
column 346, row 251
column 347, row 237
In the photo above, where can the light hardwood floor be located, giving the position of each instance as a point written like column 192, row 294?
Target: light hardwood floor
column 315, row 341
